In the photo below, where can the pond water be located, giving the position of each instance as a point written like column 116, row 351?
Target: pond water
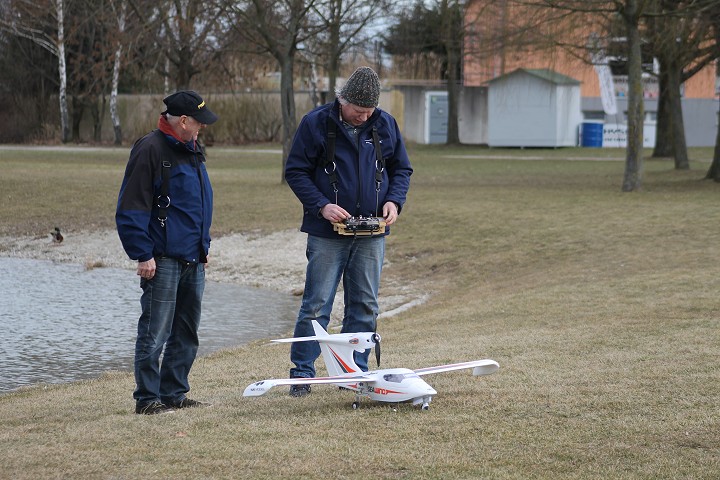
column 61, row 322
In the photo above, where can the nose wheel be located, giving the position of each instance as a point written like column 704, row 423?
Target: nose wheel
column 424, row 402
column 356, row 403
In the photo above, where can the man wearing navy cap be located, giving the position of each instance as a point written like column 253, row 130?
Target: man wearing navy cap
column 163, row 217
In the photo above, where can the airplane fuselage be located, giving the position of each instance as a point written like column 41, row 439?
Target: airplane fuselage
column 393, row 385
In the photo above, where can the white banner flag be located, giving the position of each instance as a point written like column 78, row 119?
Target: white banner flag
column 607, row 88
column 605, row 78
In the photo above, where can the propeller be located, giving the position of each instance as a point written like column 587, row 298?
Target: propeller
column 376, row 338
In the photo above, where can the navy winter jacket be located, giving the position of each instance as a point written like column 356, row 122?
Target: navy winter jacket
column 355, row 164
column 186, row 235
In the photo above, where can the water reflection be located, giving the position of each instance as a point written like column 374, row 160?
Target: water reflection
column 60, row 322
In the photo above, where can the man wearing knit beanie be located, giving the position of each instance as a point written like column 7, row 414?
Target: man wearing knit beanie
column 347, row 161
column 362, row 88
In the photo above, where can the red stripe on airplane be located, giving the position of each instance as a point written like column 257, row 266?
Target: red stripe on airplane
column 346, row 368
column 384, row 391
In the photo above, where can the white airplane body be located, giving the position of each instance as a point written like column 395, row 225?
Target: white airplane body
column 393, row 385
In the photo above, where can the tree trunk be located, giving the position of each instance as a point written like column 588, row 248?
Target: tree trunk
column 114, row 116
column 714, row 171
column 632, row 180
column 97, row 109
column 62, row 73
column 449, row 12
column 333, row 66
column 77, row 113
column 453, row 127
column 184, row 70
column 313, row 90
column 166, row 82
column 287, row 105
column 663, row 136
column 677, row 123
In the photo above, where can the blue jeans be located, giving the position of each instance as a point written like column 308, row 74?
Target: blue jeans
column 358, row 260
column 170, row 318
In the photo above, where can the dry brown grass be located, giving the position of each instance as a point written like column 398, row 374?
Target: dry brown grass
column 601, row 308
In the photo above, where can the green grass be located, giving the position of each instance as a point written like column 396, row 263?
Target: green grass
column 600, row 306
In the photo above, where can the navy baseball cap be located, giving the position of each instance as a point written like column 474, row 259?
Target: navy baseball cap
column 188, row 102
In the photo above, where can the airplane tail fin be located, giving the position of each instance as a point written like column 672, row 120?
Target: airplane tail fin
column 337, row 349
column 319, row 330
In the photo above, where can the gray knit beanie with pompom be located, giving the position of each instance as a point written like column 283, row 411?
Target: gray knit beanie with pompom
column 362, row 88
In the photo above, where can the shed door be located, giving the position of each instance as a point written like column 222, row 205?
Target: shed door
column 436, row 117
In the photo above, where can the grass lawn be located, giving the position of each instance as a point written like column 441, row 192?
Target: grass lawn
column 600, row 306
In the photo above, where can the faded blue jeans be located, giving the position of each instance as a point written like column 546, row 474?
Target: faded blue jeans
column 170, row 318
column 358, row 260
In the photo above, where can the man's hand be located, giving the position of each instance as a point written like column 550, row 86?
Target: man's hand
column 390, row 213
column 146, row 270
column 334, row 213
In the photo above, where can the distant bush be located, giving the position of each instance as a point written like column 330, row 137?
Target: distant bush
column 245, row 118
column 28, row 120
column 249, row 118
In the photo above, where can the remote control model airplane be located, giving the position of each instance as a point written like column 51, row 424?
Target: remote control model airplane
column 393, row 385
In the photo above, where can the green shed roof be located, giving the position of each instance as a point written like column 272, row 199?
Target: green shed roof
column 543, row 74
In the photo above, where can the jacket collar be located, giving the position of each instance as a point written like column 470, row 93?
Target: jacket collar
column 165, row 127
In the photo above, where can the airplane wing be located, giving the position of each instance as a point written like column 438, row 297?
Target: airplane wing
column 261, row 388
column 480, row 367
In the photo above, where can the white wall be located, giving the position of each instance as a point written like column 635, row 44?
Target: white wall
column 521, row 112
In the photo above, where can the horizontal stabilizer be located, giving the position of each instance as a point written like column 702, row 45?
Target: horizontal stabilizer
column 358, row 342
column 296, row 339
column 480, row 367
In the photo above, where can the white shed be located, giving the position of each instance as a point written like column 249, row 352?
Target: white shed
column 533, row 108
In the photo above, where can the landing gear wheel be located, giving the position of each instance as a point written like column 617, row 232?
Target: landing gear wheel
column 356, row 405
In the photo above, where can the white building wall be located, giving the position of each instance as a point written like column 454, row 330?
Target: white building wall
column 569, row 115
column 522, row 112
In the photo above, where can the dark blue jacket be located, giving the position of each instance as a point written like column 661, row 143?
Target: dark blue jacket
column 186, row 235
column 355, row 163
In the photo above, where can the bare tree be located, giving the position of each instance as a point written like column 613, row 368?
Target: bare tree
column 631, row 13
column 28, row 79
column 119, row 8
column 414, row 42
column 62, row 70
column 342, row 25
column 84, row 56
column 452, row 36
column 90, row 61
column 714, row 170
column 185, row 33
column 43, row 22
column 681, row 38
column 277, row 28
column 434, row 29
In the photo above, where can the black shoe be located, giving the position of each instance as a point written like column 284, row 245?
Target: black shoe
column 189, row 403
column 299, row 390
column 153, row 408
